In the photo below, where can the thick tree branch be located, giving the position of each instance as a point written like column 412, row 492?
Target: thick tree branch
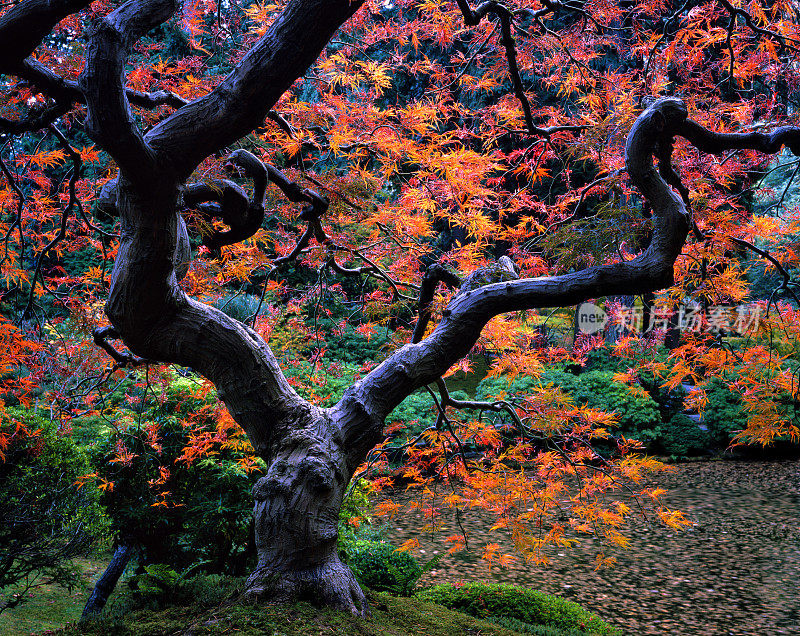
column 154, row 99
column 243, row 215
column 715, row 143
column 109, row 120
column 244, row 98
column 41, row 118
column 101, row 338
column 66, row 90
column 651, row 136
column 45, row 80
column 66, row 93
column 434, row 274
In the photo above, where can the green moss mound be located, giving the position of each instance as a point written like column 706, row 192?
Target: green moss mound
column 391, row 616
column 518, row 603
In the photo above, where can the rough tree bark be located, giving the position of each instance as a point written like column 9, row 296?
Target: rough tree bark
column 311, row 452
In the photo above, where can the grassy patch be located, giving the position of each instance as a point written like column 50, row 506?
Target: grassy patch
column 51, row 606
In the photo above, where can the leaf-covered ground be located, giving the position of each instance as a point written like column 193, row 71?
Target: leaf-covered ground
column 735, row 571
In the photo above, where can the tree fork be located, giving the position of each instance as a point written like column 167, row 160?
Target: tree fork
column 311, row 453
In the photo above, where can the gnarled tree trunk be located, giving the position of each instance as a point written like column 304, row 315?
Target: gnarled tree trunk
column 296, row 516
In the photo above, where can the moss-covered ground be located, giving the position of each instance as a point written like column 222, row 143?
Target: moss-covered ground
column 51, row 606
column 390, row 616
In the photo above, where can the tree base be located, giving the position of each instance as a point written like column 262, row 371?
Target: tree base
column 332, row 584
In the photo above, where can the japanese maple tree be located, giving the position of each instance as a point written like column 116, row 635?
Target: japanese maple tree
column 436, row 168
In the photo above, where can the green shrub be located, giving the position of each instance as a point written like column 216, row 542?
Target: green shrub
column 323, row 383
column 208, row 590
column 160, row 585
column 723, row 414
column 510, row 601
column 357, row 505
column 353, row 348
column 238, row 306
column 379, row 566
column 46, row 518
column 638, row 414
column 418, row 412
column 601, row 359
column 536, row 630
column 156, row 582
column 491, row 388
column 208, row 514
column 89, row 429
column 375, row 562
column 682, row 436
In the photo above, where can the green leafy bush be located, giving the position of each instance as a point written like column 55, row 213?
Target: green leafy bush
column 355, row 519
column 353, row 348
column 510, row 601
column 157, row 581
column 536, row 630
column 379, row 566
column 46, row 517
column 159, row 585
column 179, row 511
column 324, row 383
column 491, row 388
column 418, row 412
column 723, row 414
column 374, row 561
column 208, row 590
column 601, row 359
column 637, row 412
column 90, row 429
column 238, row 306
column 682, row 436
